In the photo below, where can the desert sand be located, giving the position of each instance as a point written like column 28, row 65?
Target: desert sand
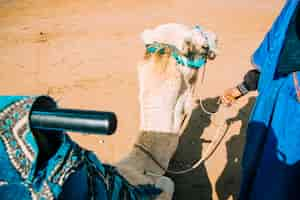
column 84, row 54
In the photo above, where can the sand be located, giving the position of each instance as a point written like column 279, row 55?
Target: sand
column 84, row 54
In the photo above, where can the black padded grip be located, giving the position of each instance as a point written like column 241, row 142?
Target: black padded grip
column 74, row 120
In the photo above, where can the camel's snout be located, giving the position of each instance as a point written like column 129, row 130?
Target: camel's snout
column 211, row 55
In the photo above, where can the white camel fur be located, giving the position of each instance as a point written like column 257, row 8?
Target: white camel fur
column 165, row 97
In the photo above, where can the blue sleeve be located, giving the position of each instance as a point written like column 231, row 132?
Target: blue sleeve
column 259, row 57
column 274, row 39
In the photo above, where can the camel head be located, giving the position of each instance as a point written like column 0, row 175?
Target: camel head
column 190, row 42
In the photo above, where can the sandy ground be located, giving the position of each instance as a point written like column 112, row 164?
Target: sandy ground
column 84, row 53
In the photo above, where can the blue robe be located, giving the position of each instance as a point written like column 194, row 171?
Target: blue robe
column 271, row 160
column 71, row 173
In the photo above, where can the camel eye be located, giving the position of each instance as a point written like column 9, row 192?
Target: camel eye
column 205, row 46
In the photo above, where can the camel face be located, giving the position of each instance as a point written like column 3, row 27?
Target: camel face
column 200, row 42
column 190, row 41
column 174, row 53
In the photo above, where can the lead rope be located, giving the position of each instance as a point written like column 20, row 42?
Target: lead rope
column 217, row 139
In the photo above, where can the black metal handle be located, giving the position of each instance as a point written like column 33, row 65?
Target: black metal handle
column 104, row 123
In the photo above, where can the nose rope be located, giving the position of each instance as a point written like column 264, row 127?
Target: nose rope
column 217, row 139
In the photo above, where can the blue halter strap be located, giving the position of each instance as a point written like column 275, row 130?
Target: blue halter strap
column 180, row 59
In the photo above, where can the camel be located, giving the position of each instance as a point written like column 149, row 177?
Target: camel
column 167, row 77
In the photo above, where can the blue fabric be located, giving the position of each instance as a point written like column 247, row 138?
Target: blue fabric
column 265, row 58
column 71, row 173
column 271, row 168
column 289, row 57
column 76, row 187
column 7, row 100
column 14, row 191
column 19, row 152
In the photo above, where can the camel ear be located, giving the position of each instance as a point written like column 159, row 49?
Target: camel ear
column 148, row 36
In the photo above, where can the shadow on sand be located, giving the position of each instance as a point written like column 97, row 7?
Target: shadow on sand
column 196, row 185
column 228, row 184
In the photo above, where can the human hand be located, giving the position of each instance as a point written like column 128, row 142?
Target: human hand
column 230, row 96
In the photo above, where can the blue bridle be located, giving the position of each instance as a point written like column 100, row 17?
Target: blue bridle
column 180, row 59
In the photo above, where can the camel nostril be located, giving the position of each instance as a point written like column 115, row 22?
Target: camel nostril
column 211, row 55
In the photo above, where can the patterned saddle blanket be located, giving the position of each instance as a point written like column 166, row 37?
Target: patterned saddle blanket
column 71, row 173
